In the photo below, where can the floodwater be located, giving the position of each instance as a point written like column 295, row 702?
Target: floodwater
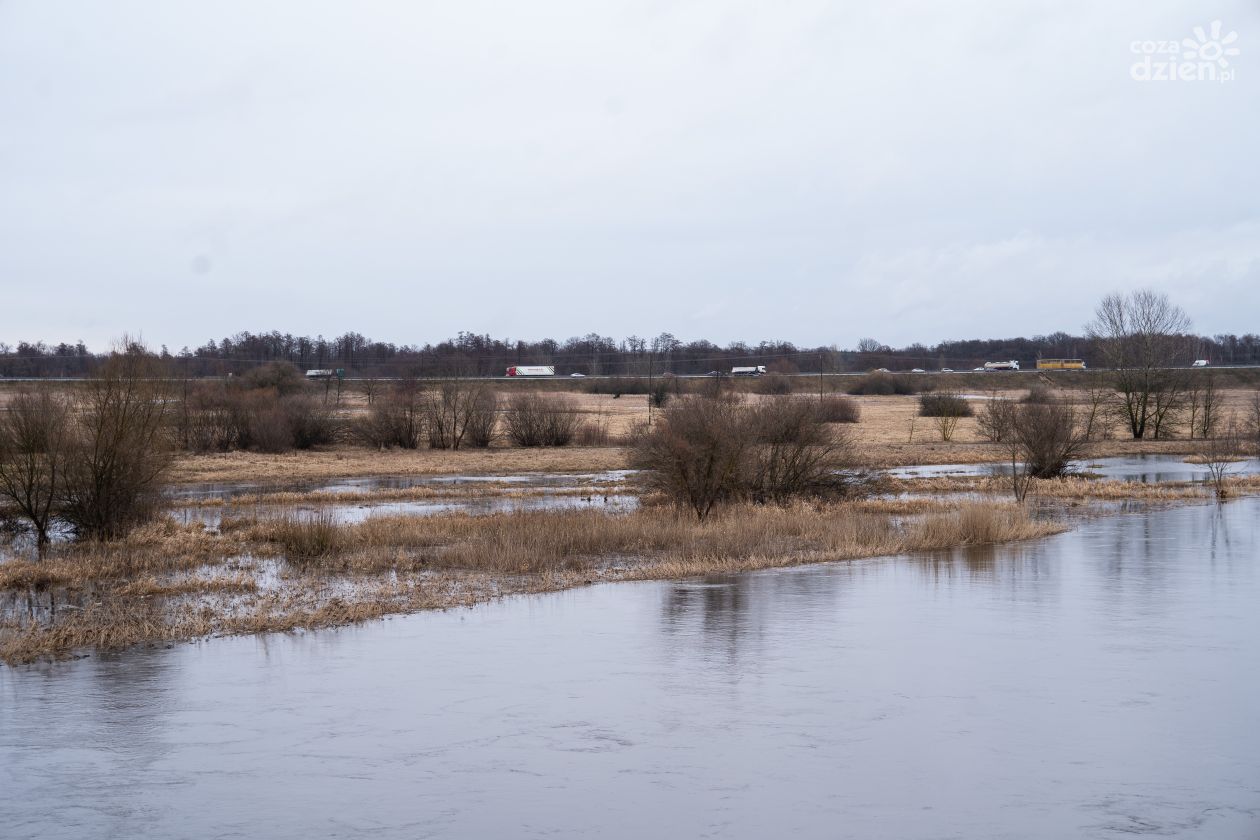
column 542, row 491
column 1099, row 684
column 355, row 512
column 1145, row 469
column 206, row 492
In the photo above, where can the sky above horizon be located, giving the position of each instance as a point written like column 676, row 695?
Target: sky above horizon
column 808, row 171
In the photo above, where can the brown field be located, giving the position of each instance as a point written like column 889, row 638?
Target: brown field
column 889, row 434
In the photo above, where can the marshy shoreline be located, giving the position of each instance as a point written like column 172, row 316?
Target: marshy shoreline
column 254, row 542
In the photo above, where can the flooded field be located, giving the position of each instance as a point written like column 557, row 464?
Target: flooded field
column 1096, row 684
column 1145, row 469
column 474, row 494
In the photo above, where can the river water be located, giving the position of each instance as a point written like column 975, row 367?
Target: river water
column 1104, row 683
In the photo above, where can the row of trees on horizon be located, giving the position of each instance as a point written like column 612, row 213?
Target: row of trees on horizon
column 471, row 354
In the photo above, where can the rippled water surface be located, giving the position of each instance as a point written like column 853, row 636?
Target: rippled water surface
column 1103, row 683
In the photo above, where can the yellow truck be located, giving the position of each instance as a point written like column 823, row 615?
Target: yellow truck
column 1060, row 364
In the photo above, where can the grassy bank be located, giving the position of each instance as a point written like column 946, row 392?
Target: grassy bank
column 170, row 582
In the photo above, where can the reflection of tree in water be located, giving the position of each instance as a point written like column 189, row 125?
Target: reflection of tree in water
column 1148, row 552
column 731, row 615
column 1023, row 571
column 102, row 734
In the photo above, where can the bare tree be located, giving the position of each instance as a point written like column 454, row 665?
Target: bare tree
column 120, row 449
column 1220, row 452
column 451, row 411
column 1141, row 336
column 1201, row 403
column 33, row 436
column 1044, row 440
column 695, row 454
column 1097, row 417
column 995, row 418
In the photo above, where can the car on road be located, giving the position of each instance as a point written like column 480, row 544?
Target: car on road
column 580, row 375
column 917, row 370
column 713, row 373
column 1200, row 363
column 947, row 370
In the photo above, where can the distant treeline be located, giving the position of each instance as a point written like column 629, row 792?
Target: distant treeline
column 470, row 354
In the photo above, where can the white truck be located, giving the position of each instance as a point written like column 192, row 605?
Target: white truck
column 532, row 370
column 1011, row 365
column 755, row 370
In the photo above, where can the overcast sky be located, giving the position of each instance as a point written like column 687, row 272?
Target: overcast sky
column 810, row 171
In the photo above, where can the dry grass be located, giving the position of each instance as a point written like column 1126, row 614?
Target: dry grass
column 353, row 462
column 183, row 582
column 884, row 434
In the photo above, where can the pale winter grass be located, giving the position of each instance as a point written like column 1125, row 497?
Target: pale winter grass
column 883, row 435
column 179, row 582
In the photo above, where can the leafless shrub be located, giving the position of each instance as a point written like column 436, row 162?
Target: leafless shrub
column 995, row 418
column 1220, row 452
column 538, row 420
column 705, row 451
column 1046, row 438
column 838, row 409
column 794, row 452
column 451, row 410
column 311, row 422
column 396, row 419
column 695, row 453
column 483, row 419
column 945, row 425
column 1098, row 414
column 944, row 404
column 120, row 451
column 33, row 436
column 268, row 428
column 206, row 420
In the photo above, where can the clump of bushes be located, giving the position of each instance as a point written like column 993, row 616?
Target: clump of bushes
column 838, row 409
column 460, row 413
column 881, row 384
column 1046, row 438
column 538, row 420
column 218, row 418
column 944, row 404
column 1040, row 394
column 395, row 420
column 705, row 451
column 95, row 461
